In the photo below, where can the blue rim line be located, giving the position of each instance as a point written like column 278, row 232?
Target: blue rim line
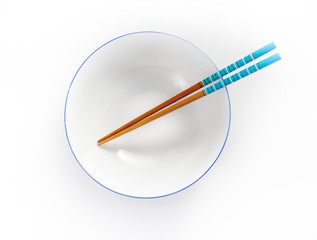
column 66, row 106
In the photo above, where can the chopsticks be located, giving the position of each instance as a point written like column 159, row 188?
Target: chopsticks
column 247, row 59
column 157, row 113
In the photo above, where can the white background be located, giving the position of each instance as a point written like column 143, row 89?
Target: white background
column 264, row 186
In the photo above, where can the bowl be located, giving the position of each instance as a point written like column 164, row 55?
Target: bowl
column 124, row 78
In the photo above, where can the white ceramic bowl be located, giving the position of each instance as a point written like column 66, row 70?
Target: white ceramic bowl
column 121, row 80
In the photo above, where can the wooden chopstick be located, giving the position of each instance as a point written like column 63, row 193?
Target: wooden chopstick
column 156, row 116
column 197, row 86
column 168, row 102
column 196, row 96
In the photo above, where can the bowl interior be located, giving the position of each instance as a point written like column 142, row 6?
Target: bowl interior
column 123, row 79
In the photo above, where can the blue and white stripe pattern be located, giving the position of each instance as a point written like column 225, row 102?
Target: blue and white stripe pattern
column 239, row 63
column 243, row 73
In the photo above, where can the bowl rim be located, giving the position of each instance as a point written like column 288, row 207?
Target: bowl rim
column 65, row 107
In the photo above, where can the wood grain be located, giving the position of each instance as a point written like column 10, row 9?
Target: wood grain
column 156, row 116
column 168, row 102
